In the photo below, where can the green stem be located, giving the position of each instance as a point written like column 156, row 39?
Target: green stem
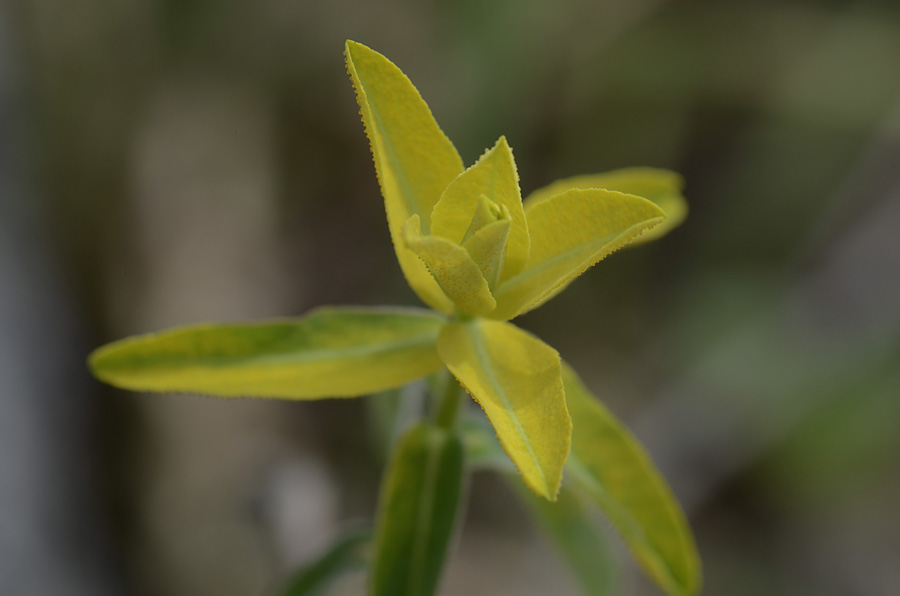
column 450, row 404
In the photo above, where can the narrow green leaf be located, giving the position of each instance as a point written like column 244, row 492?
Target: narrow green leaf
column 662, row 187
column 332, row 352
column 458, row 275
column 414, row 160
column 612, row 467
column 494, row 175
column 349, row 553
column 417, row 512
column 515, row 377
column 570, row 233
column 578, row 537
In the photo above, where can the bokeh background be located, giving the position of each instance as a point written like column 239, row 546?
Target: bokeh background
column 173, row 161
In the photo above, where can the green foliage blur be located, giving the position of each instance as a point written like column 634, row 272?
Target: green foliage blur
column 191, row 160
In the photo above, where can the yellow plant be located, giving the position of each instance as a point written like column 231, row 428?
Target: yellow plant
column 478, row 255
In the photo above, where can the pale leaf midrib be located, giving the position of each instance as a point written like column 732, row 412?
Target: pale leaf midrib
column 423, row 525
column 507, row 404
column 619, row 513
column 282, row 358
column 377, row 132
column 401, row 177
column 591, row 247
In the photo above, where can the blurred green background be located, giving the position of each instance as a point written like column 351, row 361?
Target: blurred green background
column 173, row 161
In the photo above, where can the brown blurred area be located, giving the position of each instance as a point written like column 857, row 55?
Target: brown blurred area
column 173, row 161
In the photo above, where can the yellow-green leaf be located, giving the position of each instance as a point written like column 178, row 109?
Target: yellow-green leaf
column 570, row 232
column 417, row 511
column 414, row 160
column 457, row 274
column 332, row 352
column 662, row 187
column 609, row 463
column 494, row 175
column 515, row 378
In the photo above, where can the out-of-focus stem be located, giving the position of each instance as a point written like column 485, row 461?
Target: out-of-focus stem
column 447, row 412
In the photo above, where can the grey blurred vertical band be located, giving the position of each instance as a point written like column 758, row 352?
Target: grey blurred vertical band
column 51, row 537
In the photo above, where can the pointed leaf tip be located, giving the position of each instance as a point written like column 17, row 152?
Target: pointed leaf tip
column 571, row 232
column 487, row 247
column 615, row 471
column 662, row 187
column 414, row 159
column 515, row 378
column 495, row 176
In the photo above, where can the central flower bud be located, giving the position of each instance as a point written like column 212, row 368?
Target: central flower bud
column 485, row 240
column 466, row 256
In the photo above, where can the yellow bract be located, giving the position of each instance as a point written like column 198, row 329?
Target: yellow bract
column 414, row 160
column 493, row 175
column 469, row 248
column 452, row 258
column 662, row 187
column 486, row 212
column 487, row 248
column 455, row 271
column 516, row 379
column 570, row 232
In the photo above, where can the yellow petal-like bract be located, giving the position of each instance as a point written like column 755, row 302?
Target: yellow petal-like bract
column 414, row 160
column 495, row 176
column 333, row 352
column 515, row 377
column 469, row 248
column 619, row 475
column 455, row 271
column 570, row 232
column 662, row 187
column 487, row 247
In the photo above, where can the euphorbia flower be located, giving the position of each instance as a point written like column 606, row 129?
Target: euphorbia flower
column 478, row 255
column 471, row 248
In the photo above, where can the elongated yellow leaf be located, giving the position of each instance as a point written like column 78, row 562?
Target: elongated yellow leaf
column 609, row 463
column 414, row 160
column 515, row 377
column 332, row 352
column 455, row 271
column 494, row 175
column 662, row 187
column 569, row 233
